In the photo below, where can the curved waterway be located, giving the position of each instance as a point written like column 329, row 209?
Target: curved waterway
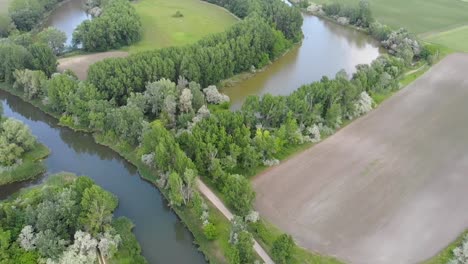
column 326, row 49
column 162, row 236
column 67, row 16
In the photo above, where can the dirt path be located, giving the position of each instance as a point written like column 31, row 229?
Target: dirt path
column 205, row 190
column 80, row 64
column 389, row 188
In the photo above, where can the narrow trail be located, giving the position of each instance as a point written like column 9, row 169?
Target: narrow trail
column 206, row 191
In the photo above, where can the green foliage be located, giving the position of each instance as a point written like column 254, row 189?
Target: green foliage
column 12, row 57
column 118, row 26
column 282, row 249
column 210, row 231
column 31, row 83
column 244, row 247
column 45, row 221
column 175, row 189
column 178, row 14
column 60, row 89
column 43, row 59
column 97, row 206
column 217, row 57
column 239, row 193
column 26, row 13
column 5, row 26
column 54, row 38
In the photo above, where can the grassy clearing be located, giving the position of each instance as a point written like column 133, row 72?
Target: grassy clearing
column 162, row 29
column 266, row 234
column 31, row 167
column 439, row 21
column 419, row 16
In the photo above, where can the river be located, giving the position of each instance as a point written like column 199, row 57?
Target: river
column 326, row 49
column 163, row 238
column 66, row 17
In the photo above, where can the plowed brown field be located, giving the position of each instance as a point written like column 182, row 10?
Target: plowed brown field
column 392, row 187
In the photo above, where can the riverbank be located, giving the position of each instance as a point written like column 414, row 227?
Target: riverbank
column 30, row 168
column 214, row 250
column 385, row 146
column 61, row 192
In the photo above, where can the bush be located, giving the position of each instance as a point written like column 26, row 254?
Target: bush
column 283, row 249
column 210, row 231
column 178, row 14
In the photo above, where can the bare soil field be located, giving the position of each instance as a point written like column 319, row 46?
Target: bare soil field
column 80, row 64
column 392, row 187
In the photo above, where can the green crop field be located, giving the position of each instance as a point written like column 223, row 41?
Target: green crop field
column 162, row 29
column 457, row 38
column 439, row 21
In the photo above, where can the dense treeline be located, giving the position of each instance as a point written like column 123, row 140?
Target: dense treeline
column 26, row 14
column 19, row 52
column 117, row 26
column 284, row 18
column 250, row 43
column 65, row 220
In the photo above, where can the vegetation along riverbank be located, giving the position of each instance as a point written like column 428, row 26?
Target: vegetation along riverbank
column 21, row 154
column 152, row 102
column 67, row 219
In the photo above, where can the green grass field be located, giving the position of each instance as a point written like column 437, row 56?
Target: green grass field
column 161, row 29
column 438, row 21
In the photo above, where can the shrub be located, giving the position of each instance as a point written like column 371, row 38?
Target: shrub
column 210, row 231
column 283, row 249
column 178, row 14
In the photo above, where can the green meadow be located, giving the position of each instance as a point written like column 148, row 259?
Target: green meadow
column 163, row 29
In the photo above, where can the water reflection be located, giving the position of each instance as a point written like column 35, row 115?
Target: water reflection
column 326, row 49
column 67, row 17
column 162, row 237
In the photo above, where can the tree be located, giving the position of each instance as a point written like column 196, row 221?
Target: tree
column 27, row 238
column 60, row 90
column 283, row 248
column 175, row 189
column 185, row 101
column 54, row 38
column 12, row 57
column 5, row 26
column 32, row 83
column 97, row 206
column 25, row 13
column 239, row 193
column 245, row 247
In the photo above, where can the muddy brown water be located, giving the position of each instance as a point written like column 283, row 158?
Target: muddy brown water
column 326, row 49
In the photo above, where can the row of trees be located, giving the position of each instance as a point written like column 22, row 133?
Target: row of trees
column 278, row 14
column 66, row 220
column 26, row 14
column 22, row 51
column 250, row 43
column 117, row 26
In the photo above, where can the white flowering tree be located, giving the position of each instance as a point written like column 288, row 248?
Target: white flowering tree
column 214, row 96
column 363, row 105
column 27, row 238
column 185, row 101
